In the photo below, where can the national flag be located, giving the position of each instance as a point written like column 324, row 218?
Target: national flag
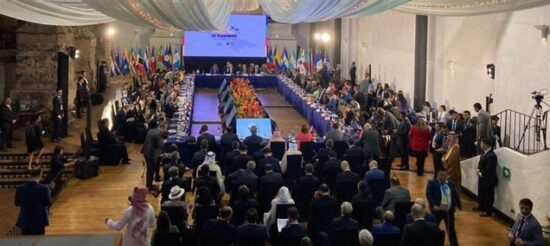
column 285, row 65
column 177, row 59
column 140, row 68
column 317, row 59
column 160, row 59
column 292, row 61
column 132, row 65
column 118, row 60
column 152, row 60
column 146, row 60
column 269, row 59
column 167, row 54
column 124, row 64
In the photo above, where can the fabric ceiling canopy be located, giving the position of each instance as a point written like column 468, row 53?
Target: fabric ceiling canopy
column 208, row 15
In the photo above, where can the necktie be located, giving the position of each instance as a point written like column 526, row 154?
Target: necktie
column 454, row 125
column 521, row 223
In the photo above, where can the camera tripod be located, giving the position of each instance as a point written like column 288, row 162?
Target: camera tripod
column 539, row 117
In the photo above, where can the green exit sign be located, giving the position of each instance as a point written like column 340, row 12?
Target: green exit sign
column 506, row 172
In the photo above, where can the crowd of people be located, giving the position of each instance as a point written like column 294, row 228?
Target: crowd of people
column 287, row 198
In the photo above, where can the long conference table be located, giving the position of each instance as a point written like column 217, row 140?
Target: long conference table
column 312, row 116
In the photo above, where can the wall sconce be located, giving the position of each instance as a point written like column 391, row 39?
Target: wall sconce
column 544, row 30
column 73, row 52
column 324, row 37
column 111, row 32
column 491, row 71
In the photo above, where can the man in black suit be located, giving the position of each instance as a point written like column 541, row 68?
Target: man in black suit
column 229, row 136
column 110, row 142
column 487, row 178
column 268, row 159
column 344, row 223
column 454, row 125
column 102, row 73
column 244, row 176
column 199, row 156
column 269, row 186
column 242, row 204
column 437, row 144
column 258, row 155
column 331, row 169
column 356, row 158
column 168, row 184
column 125, row 122
column 420, row 232
column 81, row 96
column 8, row 119
column 345, row 191
column 240, row 161
column 253, row 139
column 306, row 187
column 323, row 156
column 323, row 209
column 34, row 200
column 209, row 137
column 353, row 73
column 57, row 115
column 251, row 233
column 292, row 233
column 230, row 156
column 219, row 231
column 443, row 200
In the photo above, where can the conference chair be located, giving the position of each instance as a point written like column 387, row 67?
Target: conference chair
column 363, row 212
column 167, row 239
column 340, row 147
column 278, row 149
column 381, row 239
column 343, row 237
column 293, row 170
column 377, row 188
column 307, row 151
column 400, row 211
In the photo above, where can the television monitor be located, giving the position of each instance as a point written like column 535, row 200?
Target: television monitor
column 263, row 125
column 228, row 103
column 230, row 117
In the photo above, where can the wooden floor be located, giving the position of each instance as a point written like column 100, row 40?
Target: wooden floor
column 84, row 204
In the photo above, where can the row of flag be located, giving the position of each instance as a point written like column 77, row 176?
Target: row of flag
column 138, row 61
column 303, row 60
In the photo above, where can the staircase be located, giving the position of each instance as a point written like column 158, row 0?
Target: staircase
column 524, row 133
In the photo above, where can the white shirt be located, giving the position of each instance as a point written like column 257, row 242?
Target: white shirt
column 128, row 239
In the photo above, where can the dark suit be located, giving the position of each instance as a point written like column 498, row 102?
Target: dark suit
column 167, row 185
column 434, row 194
column 455, row 125
column 356, row 159
column 8, row 115
column 321, row 157
column 240, row 206
column 228, row 161
column 198, row 158
column 344, row 224
column 371, row 143
column 34, row 200
column 217, row 232
column 251, row 235
column 487, row 182
column 228, row 138
column 268, row 160
column 81, row 96
column 322, row 211
column 331, row 169
column 422, row 233
column 268, row 188
column 385, row 228
column 243, row 176
column 57, row 117
column 346, row 186
column 152, row 148
column 211, row 140
column 239, row 162
column 108, row 142
column 438, row 140
column 292, row 234
column 530, row 232
column 306, row 187
column 352, row 74
column 361, row 99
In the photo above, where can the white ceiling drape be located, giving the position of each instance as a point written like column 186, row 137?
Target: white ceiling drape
column 467, row 7
column 295, row 11
column 208, row 15
column 57, row 13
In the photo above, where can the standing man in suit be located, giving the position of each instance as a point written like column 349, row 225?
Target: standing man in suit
column 374, row 173
column 174, row 180
column 229, row 136
column 292, row 233
column 8, row 119
column 393, row 195
column 34, row 200
column 443, row 200
column 80, row 96
column 371, row 145
column 487, row 178
column 306, row 187
column 484, row 129
column 269, row 186
column 353, row 73
column 420, row 232
column 219, row 231
column 526, row 230
column 57, row 115
column 454, row 124
column 151, row 150
column 268, row 159
column 251, row 233
column 323, row 209
column 356, row 158
column 344, row 223
column 437, row 145
column 335, row 134
column 253, row 139
column 209, row 137
column 343, row 193
column 102, row 72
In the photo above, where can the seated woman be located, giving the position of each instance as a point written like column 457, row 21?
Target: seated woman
column 304, row 135
column 57, row 164
column 163, row 227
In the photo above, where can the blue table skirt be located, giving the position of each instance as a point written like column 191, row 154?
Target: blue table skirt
column 214, row 81
column 310, row 114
